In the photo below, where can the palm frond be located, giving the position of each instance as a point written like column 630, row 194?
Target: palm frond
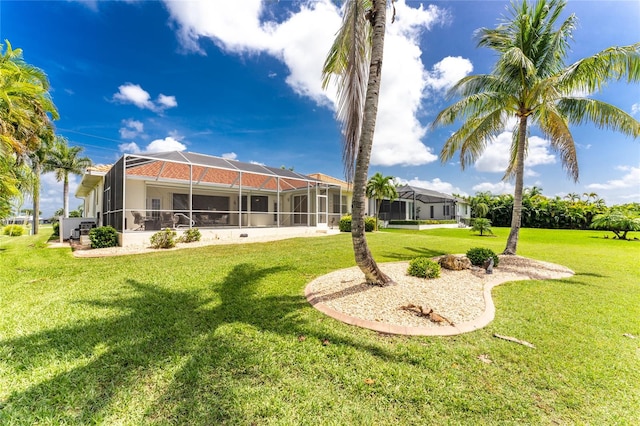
column 592, row 73
column 602, row 114
column 554, row 124
column 348, row 63
column 472, row 137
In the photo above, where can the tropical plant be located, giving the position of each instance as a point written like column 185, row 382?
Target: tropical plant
column 617, row 221
column 25, row 104
column 381, row 187
column 482, row 225
column 531, row 82
column 65, row 160
column 355, row 61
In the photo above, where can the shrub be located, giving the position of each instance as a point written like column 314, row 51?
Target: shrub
column 164, row 239
column 56, row 229
column 190, row 235
column 423, row 267
column 104, row 236
column 345, row 223
column 13, row 230
column 478, row 255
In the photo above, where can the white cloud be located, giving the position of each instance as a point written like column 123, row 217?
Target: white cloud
column 497, row 154
column 170, row 143
column 257, row 163
column 167, row 144
column 167, row 101
column 129, row 93
column 434, row 184
column 131, row 129
column 630, row 180
column 495, row 188
column 230, row 156
column 302, row 40
column 130, row 148
column 448, row 71
column 635, row 108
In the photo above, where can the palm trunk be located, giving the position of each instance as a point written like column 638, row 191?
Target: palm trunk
column 36, row 199
column 512, row 241
column 364, row 259
column 65, row 193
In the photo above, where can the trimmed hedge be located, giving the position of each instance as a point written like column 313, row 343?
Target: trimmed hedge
column 421, row 222
column 478, row 255
column 104, row 236
column 345, row 223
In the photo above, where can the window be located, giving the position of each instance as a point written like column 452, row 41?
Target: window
column 259, row 203
column 431, row 212
column 336, row 203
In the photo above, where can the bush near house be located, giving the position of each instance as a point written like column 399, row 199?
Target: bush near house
column 13, row 230
column 103, row 237
column 164, row 239
column 345, row 223
column 190, row 235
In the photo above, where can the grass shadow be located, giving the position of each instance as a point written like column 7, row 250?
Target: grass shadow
column 414, row 252
column 114, row 358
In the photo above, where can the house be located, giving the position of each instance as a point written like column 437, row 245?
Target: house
column 415, row 203
column 143, row 193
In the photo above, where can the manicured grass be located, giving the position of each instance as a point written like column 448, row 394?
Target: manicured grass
column 211, row 335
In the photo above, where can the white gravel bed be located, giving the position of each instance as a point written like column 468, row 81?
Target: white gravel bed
column 456, row 295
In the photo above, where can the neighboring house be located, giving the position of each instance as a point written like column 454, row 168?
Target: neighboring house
column 149, row 192
column 415, row 203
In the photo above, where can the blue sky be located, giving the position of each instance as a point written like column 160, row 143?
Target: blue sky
column 241, row 79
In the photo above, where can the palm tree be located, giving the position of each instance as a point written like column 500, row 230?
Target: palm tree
column 531, row 82
column 380, row 187
column 25, row 104
column 65, row 160
column 355, row 60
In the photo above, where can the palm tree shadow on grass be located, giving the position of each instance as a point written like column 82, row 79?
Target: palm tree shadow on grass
column 413, row 252
column 207, row 338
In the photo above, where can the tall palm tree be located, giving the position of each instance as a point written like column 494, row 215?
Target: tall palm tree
column 380, row 187
column 65, row 160
column 355, row 60
column 531, row 82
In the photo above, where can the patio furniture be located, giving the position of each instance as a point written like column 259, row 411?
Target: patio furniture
column 167, row 220
column 138, row 219
column 222, row 220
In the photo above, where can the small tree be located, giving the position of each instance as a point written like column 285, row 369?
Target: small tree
column 482, row 225
column 618, row 222
column 380, row 187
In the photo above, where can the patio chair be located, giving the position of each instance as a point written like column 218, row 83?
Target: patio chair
column 138, row 219
column 167, row 220
column 222, row 220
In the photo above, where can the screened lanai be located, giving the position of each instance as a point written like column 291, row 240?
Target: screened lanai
column 148, row 192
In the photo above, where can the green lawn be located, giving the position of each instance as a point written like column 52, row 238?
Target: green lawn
column 211, row 335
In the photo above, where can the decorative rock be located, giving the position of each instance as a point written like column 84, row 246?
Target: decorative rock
column 454, row 263
column 488, row 265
